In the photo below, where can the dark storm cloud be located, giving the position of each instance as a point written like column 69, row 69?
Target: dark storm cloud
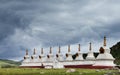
column 9, row 21
column 43, row 23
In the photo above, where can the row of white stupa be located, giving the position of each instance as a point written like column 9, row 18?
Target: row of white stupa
column 103, row 59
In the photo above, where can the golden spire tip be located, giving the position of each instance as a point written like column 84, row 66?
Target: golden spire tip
column 104, row 44
column 68, row 48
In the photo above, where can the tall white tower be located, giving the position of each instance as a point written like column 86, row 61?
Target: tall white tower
column 34, row 56
column 79, row 55
column 69, row 55
column 26, row 60
column 50, row 56
column 59, row 56
column 90, row 59
column 104, row 58
column 42, row 56
column 26, row 57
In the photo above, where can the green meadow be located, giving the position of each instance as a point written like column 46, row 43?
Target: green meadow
column 8, row 67
column 35, row 71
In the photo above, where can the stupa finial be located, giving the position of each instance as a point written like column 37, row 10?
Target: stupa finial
column 34, row 51
column 104, row 44
column 41, row 50
column 26, row 51
column 68, row 48
column 90, row 48
column 50, row 50
column 78, row 47
column 59, row 50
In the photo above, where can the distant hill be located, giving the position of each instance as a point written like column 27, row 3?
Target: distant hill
column 8, row 63
column 115, row 51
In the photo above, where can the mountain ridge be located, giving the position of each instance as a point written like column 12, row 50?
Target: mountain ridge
column 115, row 51
column 5, row 63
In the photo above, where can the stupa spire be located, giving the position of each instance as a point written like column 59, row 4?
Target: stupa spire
column 26, row 51
column 34, row 51
column 90, row 48
column 78, row 47
column 50, row 50
column 59, row 49
column 104, row 44
column 41, row 50
column 68, row 48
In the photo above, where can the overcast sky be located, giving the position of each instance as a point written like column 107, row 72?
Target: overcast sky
column 29, row 24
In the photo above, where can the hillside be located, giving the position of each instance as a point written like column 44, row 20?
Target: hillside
column 8, row 63
column 115, row 51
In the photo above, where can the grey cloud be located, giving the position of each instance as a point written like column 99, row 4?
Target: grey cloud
column 44, row 23
column 8, row 22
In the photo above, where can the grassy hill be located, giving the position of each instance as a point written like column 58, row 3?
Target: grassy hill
column 8, row 63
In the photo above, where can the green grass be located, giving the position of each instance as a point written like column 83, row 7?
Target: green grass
column 33, row 71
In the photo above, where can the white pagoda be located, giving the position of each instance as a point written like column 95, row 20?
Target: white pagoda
column 50, row 56
column 42, row 56
column 104, row 58
column 49, row 60
column 26, row 60
column 90, row 59
column 79, row 55
column 26, row 57
column 59, row 56
column 34, row 57
column 69, row 55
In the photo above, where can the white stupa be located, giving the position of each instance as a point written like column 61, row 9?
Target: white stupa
column 90, row 59
column 50, row 56
column 26, row 60
column 69, row 55
column 42, row 56
column 79, row 55
column 59, row 56
column 34, row 57
column 34, row 60
column 49, row 60
column 26, row 57
column 104, row 58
